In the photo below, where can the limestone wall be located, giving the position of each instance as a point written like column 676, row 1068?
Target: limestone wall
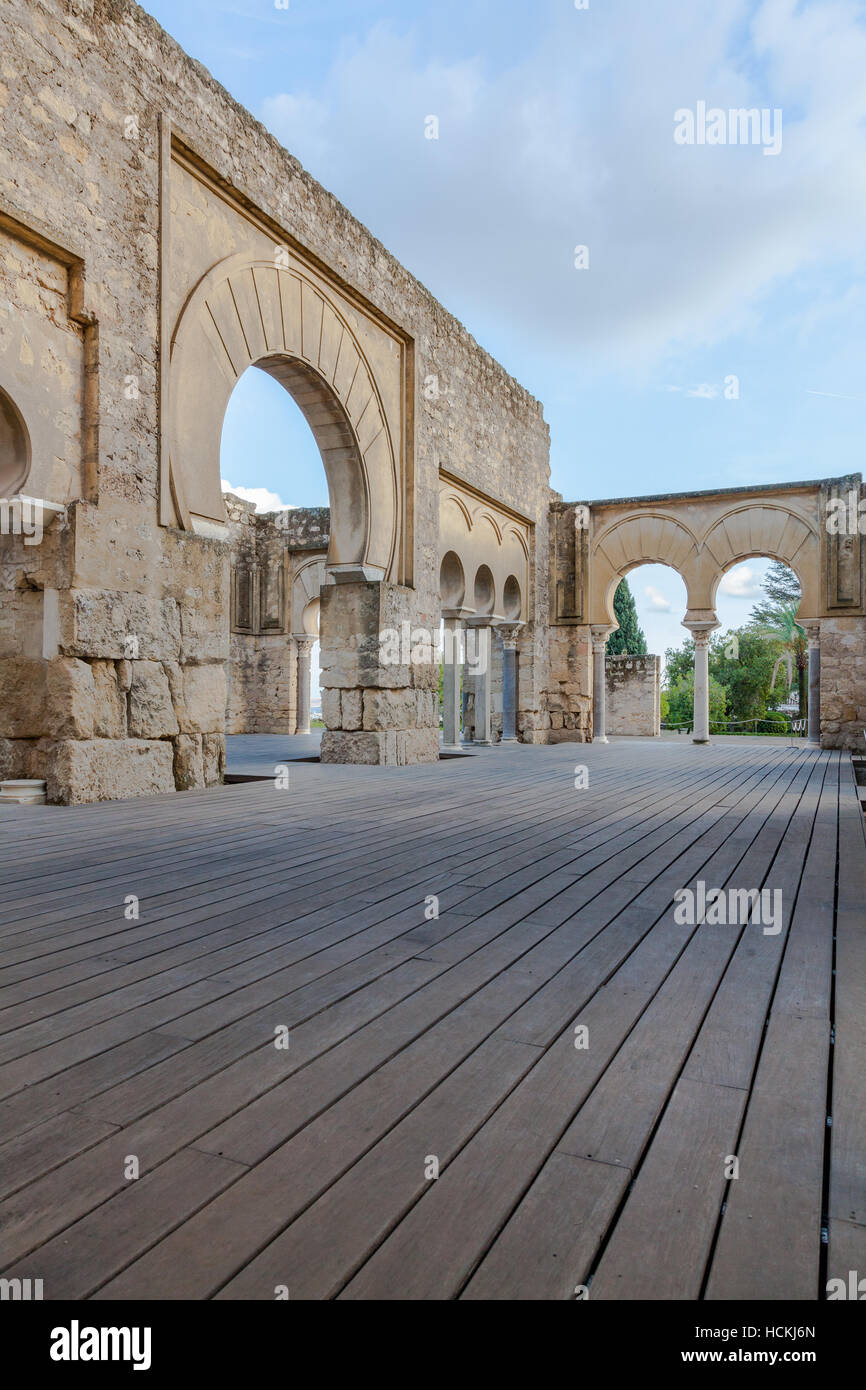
column 843, row 683
column 632, row 695
column 132, row 609
column 569, row 694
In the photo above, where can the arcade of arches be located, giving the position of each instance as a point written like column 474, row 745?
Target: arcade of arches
column 145, row 614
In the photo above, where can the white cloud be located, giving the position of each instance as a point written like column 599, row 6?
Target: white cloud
column 265, row 501
column 741, row 582
column 657, row 601
column 704, row 392
column 573, row 144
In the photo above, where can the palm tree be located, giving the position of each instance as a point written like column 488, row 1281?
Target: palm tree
column 779, row 621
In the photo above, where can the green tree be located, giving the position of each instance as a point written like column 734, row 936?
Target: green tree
column 775, row 618
column 780, row 584
column 681, row 700
column 629, row 639
column 679, row 662
column 743, row 662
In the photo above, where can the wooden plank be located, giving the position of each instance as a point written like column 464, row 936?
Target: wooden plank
column 770, row 1238
column 847, row 1199
column 551, row 1240
column 662, row 1238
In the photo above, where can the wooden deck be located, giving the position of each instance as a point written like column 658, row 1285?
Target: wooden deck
column 415, row 1037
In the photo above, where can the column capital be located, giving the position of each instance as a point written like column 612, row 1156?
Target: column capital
column 457, row 614
column 479, row 620
column 813, row 631
column 509, row 632
column 700, row 628
column 600, row 633
column 304, row 641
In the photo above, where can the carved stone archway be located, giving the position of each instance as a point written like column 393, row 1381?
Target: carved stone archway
column 247, row 311
column 701, row 536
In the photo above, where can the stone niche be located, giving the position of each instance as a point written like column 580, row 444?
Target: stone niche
column 632, row 695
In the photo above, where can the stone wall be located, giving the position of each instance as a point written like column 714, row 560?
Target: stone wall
column 569, row 693
column 843, row 683
column 632, row 695
column 132, row 600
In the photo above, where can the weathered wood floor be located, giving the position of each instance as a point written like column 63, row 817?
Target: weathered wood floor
column 416, row 1038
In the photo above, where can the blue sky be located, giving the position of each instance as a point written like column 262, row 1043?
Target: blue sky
column 706, row 262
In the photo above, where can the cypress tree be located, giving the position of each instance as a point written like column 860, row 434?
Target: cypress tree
column 629, row 639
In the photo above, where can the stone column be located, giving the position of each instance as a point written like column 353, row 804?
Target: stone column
column 304, row 645
column 599, row 689
column 480, row 657
column 452, row 666
column 701, row 717
column 509, row 634
column 813, row 727
column 700, row 630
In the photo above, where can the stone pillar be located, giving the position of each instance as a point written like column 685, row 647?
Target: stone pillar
column 700, row 630
column 701, row 717
column 452, row 666
column 509, row 634
column 814, row 706
column 599, row 683
column 380, row 683
column 304, row 645
column 480, row 657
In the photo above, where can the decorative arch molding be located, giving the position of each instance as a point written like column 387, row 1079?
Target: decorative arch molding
column 15, row 447
column 479, row 533
column 701, row 541
column 247, row 311
column 647, row 538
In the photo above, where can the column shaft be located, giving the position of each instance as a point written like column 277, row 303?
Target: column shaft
column 304, row 645
column 451, row 669
column 701, row 716
column 508, row 632
column 814, row 706
column 482, row 685
column 599, row 691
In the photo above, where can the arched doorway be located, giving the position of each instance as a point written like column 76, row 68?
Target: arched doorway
column 275, row 315
column 276, row 497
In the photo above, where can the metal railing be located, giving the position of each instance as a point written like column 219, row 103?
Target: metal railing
column 781, row 725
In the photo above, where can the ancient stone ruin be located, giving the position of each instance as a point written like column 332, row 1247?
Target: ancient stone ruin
column 157, row 241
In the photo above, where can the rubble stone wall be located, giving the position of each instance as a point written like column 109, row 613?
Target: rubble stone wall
column 632, row 703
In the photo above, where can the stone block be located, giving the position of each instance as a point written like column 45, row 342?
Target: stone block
column 46, row 699
column 331, row 709
column 389, row 709
column 386, row 748
column 188, row 762
column 109, row 709
column 213, row 758
column 151, row 712
column 201, row 699
column 352, row 711
column 111, row 626
column 341, row 746
column 70, row 700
